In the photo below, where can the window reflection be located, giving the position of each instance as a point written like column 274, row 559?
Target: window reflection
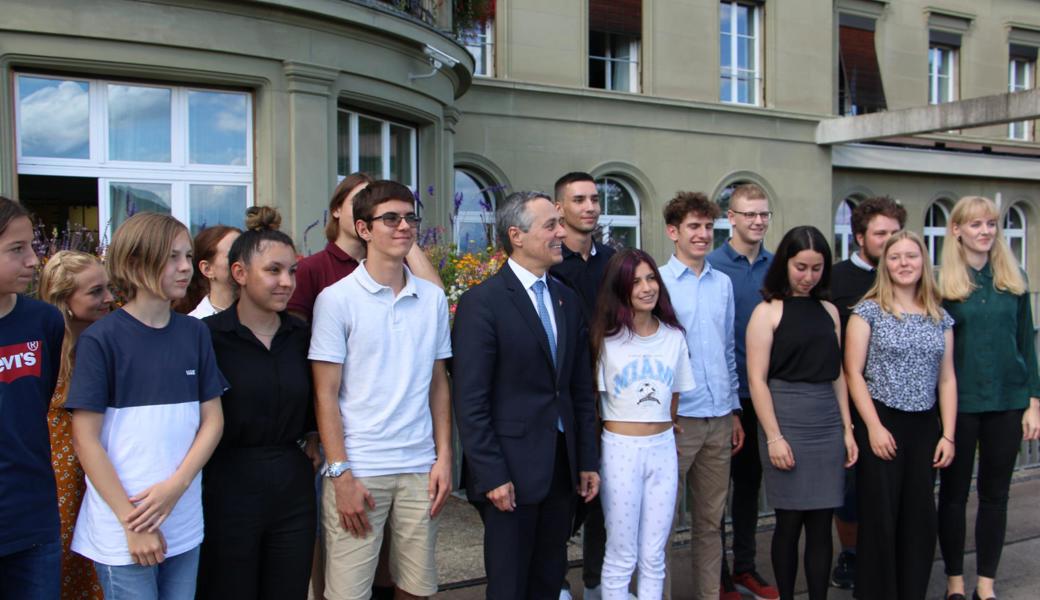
column 217, row 124
column 54, row 117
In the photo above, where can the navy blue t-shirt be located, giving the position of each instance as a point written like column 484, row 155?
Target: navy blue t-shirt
column 30, row 355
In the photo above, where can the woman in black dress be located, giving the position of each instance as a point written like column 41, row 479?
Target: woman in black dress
column 258, row 490
column 805, row 432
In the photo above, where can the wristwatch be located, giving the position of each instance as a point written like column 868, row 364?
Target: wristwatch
column 337, row 468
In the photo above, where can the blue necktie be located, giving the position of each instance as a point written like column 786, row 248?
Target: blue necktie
column 543, row 316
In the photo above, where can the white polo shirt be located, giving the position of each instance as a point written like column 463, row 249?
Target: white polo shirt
column 387, row 346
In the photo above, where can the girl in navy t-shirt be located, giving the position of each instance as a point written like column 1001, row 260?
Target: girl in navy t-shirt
column 145, row 397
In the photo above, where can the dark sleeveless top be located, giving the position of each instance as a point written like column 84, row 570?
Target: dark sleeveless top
column 804, row 345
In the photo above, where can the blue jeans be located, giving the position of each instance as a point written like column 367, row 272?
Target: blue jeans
column 172, row 579
column 32, row 573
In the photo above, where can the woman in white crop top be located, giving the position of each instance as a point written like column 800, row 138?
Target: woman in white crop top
column 642, row 363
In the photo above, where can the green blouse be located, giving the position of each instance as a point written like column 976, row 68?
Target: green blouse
column 994, row 351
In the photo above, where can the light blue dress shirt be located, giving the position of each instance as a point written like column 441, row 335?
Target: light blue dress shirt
column 704, row 306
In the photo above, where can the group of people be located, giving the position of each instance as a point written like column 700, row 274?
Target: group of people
column 589, row 385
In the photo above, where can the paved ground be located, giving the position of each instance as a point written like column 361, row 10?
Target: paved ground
column 461, row 566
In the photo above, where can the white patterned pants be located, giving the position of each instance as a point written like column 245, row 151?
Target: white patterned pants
column 640, row 482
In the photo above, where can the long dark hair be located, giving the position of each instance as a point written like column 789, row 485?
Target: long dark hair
column 205, row 250
column 614, row 305
column 776, row 285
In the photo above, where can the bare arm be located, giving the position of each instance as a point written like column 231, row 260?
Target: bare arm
column 944, row 450
column 351, row 494
column 440, row 410
column 421, row 266
column 759, row 342
column 841, row 391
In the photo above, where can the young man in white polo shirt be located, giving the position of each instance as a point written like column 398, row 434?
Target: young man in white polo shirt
column 378, row 346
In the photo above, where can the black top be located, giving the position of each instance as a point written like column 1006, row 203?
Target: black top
column 849, row 282
column 271, row 401
column 804, row 346
column 584, row 276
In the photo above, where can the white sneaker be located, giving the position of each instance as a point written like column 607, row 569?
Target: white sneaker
column 565, row 594
column 592, row 593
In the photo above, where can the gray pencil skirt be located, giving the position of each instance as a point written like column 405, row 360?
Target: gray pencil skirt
column 810, row 422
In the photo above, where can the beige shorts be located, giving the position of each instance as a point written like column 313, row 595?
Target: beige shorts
column 350, row 563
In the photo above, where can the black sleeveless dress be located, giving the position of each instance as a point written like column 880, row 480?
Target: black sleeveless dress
column 803, row 363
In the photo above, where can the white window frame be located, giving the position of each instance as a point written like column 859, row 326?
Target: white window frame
column 1017, row 233
column 734, row 69
column 607, row 220
column 933, row 232
column 180, row 172
column 935, row 85
column 355, row 158
column 483, row 37
column 609, row 59
column 1017, row 86
column 843, row 231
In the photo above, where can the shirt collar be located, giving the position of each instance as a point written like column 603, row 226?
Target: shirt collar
column 338, row 253
column 733, row 255
column 374, row 287
column 526, row 277
column 567, row 252
column 227, row 320
column 678, row 267
column 859, row 262
column 986, row 271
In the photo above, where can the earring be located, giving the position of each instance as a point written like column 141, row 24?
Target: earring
column 69, row 310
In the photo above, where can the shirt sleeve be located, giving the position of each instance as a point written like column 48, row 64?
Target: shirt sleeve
column 947, row 321
column 328, row 329
column 1027, row 345
column 601, row 372
column 302, row 300
column 90, row 388
column 443, row 326
column 731, row 340
column 212, row 383
column 868, row 310
column 683, row 381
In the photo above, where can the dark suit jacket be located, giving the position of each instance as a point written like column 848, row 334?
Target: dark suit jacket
column 507, row 394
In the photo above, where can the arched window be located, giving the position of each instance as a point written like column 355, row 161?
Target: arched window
column 1015, row 232
column 844, row 240
column 935, row 230
column 620, row 216
column 474, row 211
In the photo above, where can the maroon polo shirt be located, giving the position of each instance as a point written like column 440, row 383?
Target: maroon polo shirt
column 317, row 272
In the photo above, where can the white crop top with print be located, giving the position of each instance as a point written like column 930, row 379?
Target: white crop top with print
column 637, row 375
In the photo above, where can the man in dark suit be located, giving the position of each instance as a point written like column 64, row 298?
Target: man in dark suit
column 524, row 404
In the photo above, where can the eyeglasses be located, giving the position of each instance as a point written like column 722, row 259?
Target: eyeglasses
column 764, row 215
column 392, row 219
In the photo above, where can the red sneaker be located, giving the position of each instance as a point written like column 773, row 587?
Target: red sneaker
column 753, row 583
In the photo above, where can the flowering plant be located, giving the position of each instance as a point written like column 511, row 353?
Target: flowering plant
column 459, row 270
column 48, row 243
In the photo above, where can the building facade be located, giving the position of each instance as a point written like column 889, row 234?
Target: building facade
column 203, row 107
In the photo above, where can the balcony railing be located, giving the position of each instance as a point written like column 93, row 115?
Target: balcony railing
column 435, row 13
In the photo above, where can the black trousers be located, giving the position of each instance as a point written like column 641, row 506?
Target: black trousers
column 897, row 515
column 998, row 436
column 746, row 472
column 261, row 519
column 525, row 551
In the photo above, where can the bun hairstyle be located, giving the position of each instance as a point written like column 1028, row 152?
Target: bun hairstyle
column 262, row 223
column 205, row 250
column 57, row 284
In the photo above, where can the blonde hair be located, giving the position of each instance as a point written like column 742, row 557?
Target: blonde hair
column 883, row 290
column 139, row 251
column 955, row 282
column 57, row 284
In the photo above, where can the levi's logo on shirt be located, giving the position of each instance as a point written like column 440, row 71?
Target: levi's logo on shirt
column 20, row 360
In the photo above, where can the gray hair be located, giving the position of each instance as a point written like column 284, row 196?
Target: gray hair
column 512, row 212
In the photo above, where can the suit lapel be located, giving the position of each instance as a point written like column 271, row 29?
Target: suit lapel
column 522, row 302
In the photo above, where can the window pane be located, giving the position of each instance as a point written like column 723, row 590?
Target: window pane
column 726, row 89
column 616, row 199
column 216, row 205
column 743, row 91
column 54, row 118
column 597, row 43
column 217, row 127
column 1013, row 219
column 1018, row 250
column 470, row 194
column 744, row 13
column 370, row 147
column 473, row 234
column 725, row 17
column 597, row 73
column 138, row 123
column 745, row 52
column 725, row 51
column 128, row 199
column 401, row 154
column 343, row 143
column 625, row 236
column 620, row 76
column 721, row 233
